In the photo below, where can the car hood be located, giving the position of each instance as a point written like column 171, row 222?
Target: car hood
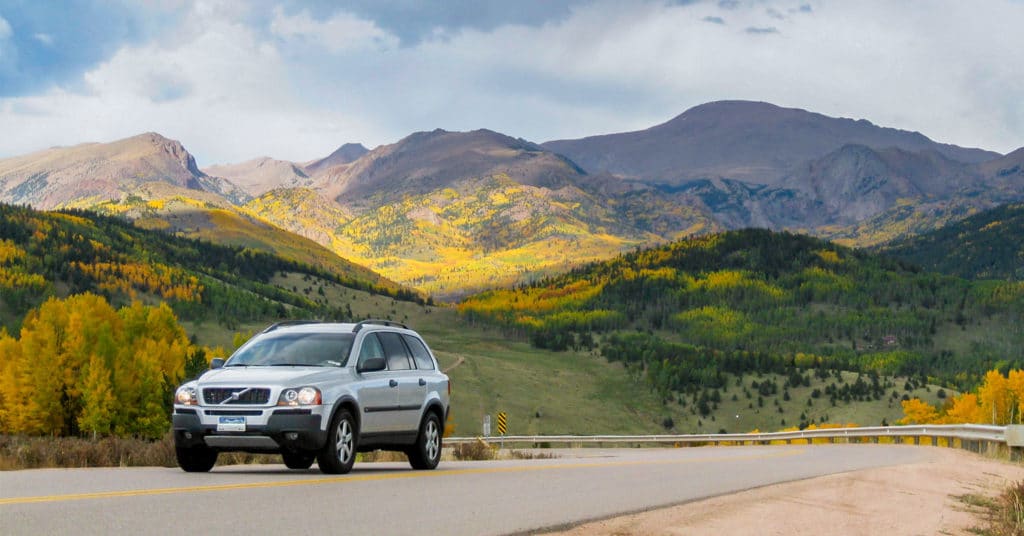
column 280, row 376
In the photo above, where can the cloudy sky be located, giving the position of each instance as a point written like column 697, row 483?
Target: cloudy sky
column 234, row 80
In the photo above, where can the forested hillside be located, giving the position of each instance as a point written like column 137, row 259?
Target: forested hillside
column 62, row 253
column 759, row 301
column 987, row 245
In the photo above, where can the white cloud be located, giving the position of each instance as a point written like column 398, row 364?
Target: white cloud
column 342, row 32
column 5, row 28
column 44, row 38
column 221, row 90
column 297, row 87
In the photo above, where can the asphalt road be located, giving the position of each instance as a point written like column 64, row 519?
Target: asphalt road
column 498, row 497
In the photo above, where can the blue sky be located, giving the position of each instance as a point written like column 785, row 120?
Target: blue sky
column 234, row 80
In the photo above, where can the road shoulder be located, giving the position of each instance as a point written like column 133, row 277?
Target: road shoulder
column 919, row 498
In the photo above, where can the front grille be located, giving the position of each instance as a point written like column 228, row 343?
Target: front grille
column 217, row 395
column 235, row 412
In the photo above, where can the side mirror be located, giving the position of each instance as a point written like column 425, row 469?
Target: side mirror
column 216, row 363
column 372, row 364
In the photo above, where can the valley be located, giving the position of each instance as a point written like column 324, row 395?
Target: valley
column 606, row 284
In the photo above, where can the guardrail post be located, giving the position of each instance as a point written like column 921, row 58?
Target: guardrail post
column 1014, row 435
column 917, row 440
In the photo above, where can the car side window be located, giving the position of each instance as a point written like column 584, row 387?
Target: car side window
column 398, row 356
column 371, row 348
column 419, row 353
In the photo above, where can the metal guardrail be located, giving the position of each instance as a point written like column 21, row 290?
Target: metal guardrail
column 963, row 432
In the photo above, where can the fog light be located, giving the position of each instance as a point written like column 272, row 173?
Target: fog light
column 291, row 436
column 188, row 435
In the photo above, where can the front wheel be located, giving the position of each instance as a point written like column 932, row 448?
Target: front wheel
column 426, row 454
column 196, row 459
column 339, row 453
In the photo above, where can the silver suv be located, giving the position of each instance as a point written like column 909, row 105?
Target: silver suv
column 317, row 391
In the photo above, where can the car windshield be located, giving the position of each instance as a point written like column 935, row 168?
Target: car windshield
column 294, row 349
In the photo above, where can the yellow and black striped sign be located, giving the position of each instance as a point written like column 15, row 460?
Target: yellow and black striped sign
column 502, row 423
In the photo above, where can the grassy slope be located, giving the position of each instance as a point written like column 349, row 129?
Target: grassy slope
column 572, row 392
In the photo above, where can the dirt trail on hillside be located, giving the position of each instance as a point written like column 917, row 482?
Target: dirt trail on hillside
column 912, row 499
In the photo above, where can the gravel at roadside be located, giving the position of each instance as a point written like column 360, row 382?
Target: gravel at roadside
column 923, row 498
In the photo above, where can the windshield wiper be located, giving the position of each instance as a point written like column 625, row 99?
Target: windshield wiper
column 237, row 365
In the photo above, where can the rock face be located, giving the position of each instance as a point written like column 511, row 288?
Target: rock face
column 261, row 175
column 103, row 171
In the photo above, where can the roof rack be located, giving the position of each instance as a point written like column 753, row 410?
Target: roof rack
column 377, row 322
column 285, row 323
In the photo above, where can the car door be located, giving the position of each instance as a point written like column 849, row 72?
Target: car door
column 412, row 389
column 378, row 391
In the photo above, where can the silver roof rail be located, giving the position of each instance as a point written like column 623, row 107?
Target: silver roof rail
column 285, row 323
column 377, row 322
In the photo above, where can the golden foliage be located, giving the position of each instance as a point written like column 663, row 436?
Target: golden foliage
column 80, row 366
column 998, row 401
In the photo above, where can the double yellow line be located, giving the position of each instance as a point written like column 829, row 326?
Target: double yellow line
column 378, row 477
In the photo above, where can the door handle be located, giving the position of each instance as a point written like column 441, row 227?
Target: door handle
column 422, row 382
column 393, row 383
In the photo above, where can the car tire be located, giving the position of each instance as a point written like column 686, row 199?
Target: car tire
column 426, row 453
column 298, row 460
column 195, row 459
column 339, row 454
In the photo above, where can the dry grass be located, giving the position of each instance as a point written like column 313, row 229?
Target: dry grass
column 1009, row 512
column 475, row 451
column 20, row 452
column 1004, row 515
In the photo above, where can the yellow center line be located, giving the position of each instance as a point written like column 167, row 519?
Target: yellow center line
column 378, row 477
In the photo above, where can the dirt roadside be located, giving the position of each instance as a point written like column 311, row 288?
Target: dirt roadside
column 912, row 499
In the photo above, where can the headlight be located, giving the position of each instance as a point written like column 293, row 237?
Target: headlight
column 186, row 396
column 302, row 396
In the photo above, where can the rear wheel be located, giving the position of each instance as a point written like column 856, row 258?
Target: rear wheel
column 298, row 460
column 426, row 454
column 196, row 459
column 339, row 453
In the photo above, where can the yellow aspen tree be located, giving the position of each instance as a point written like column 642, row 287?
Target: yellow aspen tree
column 41, row 390
column 98, row 402
column 964, row 409
column 1015, row 384
column 10, row 365
column 994, row 396
column 916, row 411
column 92, row 327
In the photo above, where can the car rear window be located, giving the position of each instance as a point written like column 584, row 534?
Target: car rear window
column 419, row 353
column 398, row 356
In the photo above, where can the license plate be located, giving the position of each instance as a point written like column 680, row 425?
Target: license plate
column 231, row 424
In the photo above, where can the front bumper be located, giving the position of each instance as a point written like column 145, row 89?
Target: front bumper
column 282, row 430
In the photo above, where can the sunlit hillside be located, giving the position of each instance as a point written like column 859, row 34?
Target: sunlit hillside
column 46, row 254
column 175, row 212
column 486, row 233
column 760, row 301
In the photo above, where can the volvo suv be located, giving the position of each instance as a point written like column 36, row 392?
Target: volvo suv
column 314, row 391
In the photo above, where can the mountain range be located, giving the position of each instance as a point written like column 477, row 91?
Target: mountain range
column 455, row 212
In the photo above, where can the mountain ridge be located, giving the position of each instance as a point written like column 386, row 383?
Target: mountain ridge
column 745, row 140
column 450, row 212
